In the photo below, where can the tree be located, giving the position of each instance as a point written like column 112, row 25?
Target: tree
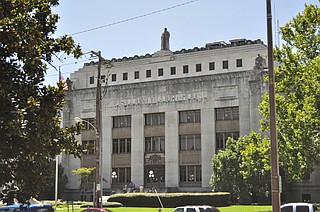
column 298, row 95
column 86, row 176
column 243, row 169
column 48, row 192
column 29, row 121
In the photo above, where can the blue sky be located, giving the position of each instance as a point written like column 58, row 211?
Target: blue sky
column 191, row 23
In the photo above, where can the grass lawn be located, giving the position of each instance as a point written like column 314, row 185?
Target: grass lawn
column 233, row 208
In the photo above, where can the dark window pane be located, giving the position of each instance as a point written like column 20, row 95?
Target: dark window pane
column 225, row 64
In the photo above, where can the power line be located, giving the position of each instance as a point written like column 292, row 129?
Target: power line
column 133, row 18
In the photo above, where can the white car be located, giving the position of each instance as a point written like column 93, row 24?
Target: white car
column 196, row 208
column 299, row 207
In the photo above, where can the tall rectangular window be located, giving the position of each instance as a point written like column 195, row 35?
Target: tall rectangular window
column 113, row 77
column 185, row 69
column 227, row 113
column 122, row 145
column 153, row 119
column 148, row 73
column 125, row 76
column 211, row 66
column 121, row 121
column 190, row 142
column 123, row 175
column 91, row 80
column 160, row 72
column 239, row 63
column 190, row 173
column 136, row 75
column 198, row 67
column 190, row 116
column 173, row 70
column 155, row 144
column 225, row 64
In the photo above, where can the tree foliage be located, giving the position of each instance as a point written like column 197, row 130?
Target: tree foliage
column 243, row 169
column 48, row 192
column 298, row 94
column 29, row 122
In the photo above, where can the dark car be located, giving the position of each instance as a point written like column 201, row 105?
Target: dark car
column 95, row 210
column 27, row 208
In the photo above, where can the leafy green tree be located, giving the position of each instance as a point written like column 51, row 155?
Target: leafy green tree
column 243, row 169
column 29, row 122
column 298, row 95
column 86, row 177
column 48, row 192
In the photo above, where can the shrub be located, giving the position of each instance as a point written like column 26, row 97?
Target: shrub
column 171, row 200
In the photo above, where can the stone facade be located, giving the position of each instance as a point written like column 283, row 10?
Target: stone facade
column 167, row 112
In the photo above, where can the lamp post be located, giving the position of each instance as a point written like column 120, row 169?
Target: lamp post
column 151, row 176
column 96, row 202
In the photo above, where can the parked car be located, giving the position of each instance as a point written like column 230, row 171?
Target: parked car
column 27, row 208
column 196, row 208
column 299, row 207
column 95, row 210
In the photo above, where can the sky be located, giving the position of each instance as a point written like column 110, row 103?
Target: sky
column 122, row 28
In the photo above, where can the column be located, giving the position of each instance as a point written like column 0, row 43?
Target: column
column 137, row 149
column 207, row 144
column 172, row 150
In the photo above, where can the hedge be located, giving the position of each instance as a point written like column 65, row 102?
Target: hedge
column 171, row 200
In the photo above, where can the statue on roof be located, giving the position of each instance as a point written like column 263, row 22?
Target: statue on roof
column 165, row 40
column 260, row 62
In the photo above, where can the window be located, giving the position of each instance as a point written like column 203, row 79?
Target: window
column 122, row 145
column 198, row 67
column 113, row 77
column 159, row 174
column 91, row 80
column 89, row 147
column 185, row 69
column 190, row 116
column 239, row 63
column 302, row 208
column 173, row 70
column 136, row 75
column 225, row 64
column 103, row 78
column 211, row 66
column 227, row 113
column 190, row 173
column 190, row 142
column 287, row 209
column 121, row 121
column 154, row 144
column 160, row 72
column 88, row 123
column 125, row 76
column 154, row 119
column 148, row 73
column 221, row 139
column 123, row 175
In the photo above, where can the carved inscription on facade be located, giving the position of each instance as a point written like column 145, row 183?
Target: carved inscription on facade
column 165, row 99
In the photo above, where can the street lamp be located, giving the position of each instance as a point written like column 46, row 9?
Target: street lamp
column 151, row 176
column 114, row 176
column 98, row 152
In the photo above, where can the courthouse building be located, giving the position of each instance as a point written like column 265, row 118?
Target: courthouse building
column 168, row 112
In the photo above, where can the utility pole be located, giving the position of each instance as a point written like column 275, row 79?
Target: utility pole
column 98, row 133
column 275, row 191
